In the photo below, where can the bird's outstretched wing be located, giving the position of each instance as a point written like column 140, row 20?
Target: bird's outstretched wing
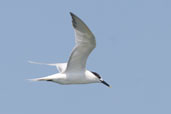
column 85, row 43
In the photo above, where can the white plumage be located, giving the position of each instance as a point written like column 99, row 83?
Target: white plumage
column 74, row 72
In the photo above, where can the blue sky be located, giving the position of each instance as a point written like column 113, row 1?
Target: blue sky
column 132, row 54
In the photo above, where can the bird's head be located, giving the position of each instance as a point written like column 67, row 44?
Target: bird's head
column 100, row 78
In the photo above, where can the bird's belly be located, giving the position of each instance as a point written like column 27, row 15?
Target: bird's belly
column 74, row 80
column 78, row 81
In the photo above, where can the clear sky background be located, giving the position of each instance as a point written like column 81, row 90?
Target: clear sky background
column 133, row 54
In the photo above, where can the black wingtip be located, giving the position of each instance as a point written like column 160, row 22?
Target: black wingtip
column 73, row 19
column 71, row 14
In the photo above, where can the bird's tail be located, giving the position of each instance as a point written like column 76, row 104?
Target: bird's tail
column 60, row 66
column 40, row 79
column 47, row 78
column 32, row 62
column 36, row 79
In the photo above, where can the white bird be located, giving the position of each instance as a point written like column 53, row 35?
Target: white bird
column 74, row 72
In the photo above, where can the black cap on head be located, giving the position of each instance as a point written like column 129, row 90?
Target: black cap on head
column 101, row 80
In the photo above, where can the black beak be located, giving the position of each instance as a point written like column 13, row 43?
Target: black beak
column 105, row 83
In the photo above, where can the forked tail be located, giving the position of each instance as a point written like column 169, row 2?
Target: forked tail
column 40, row 79
column 32, row 62
column 60, row 66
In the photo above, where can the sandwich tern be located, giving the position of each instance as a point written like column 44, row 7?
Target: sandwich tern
column 74, row 71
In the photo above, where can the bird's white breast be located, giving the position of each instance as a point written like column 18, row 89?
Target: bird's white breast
column 77, row 78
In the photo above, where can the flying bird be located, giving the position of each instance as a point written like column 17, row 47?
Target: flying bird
column 74, row 71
